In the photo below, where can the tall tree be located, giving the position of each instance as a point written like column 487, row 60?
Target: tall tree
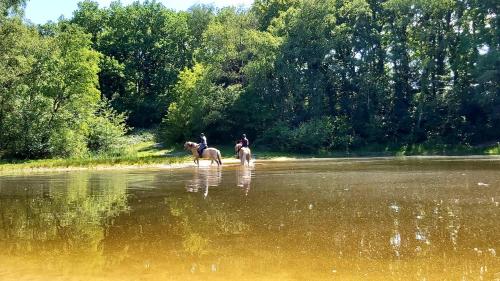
column 145, row 46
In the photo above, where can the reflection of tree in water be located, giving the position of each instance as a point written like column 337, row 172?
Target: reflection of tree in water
column 307, row 231
column 358, row 231
column 201, row 226
column 199, row 222
column 68, row 216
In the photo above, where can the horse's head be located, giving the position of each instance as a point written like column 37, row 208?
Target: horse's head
column 190, row 145
column 237, row 146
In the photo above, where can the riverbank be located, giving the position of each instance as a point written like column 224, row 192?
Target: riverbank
column 65, row 165
column 145, row 153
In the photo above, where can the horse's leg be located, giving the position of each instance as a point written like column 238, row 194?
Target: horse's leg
column 217, row 158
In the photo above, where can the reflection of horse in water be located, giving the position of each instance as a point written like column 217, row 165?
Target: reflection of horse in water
column 244, row 178
column 203, row 178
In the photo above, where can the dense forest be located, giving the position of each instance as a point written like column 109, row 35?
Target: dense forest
column 304, row 75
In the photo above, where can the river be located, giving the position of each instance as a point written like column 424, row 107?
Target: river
column 344, row 219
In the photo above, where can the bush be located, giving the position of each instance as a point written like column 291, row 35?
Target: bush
column 314, row 135
column 68, row 142
column 343, row 137
column 199, row 106
column 106, row 130
column 49, row 92
column 277, row 137
column 311, row 136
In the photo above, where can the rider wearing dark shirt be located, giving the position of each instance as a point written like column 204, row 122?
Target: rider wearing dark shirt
column 244, row 143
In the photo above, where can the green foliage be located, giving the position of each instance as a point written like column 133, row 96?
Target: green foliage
column 313, row 136
column 106, row 130
column 266, row 11
column 11, row 7
column 184, row 114
column 145, row 46
column 200, row 105
column 50, row 93
column 388, row 73
column 278, row 137
column 199, row 18
column 306, row 75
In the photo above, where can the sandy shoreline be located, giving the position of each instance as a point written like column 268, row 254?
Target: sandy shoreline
column 107, row 167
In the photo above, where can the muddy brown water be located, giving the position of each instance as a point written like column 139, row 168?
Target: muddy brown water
column 347, row 219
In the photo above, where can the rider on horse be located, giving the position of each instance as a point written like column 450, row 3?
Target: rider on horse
column 203, row 144
column 244, row 143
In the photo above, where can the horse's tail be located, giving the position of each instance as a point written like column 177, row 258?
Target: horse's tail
column 218, row 157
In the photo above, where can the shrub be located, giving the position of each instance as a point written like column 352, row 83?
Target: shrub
column 311, row 136
column 278, row 136
column 68, row 143
column 106, row 130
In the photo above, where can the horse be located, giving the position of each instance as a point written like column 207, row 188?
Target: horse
column 244, row 153
column 209, row 153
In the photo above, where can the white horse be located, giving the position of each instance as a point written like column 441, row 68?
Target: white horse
column 244, row 153
column 208, row 153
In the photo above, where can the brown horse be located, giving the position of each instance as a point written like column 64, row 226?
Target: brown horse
column 209, row 153
column 244, row 153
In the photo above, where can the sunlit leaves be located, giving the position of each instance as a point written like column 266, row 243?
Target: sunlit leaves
column 49, row 91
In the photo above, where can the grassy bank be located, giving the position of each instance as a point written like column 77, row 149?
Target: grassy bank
column 141, row 150
column 421, row 150
column 381, row 151
column 138, row 150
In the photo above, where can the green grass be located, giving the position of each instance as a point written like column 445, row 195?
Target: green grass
column 457, row 150
column 141, row 150
column 138, row 151
column 380, row 151
column 140, row 159
column 493, row 150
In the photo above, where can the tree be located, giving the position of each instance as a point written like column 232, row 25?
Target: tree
column 145, row 47
column 11, row 7
column 51, row 97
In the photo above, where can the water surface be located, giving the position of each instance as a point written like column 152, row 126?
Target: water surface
column 351, row 219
